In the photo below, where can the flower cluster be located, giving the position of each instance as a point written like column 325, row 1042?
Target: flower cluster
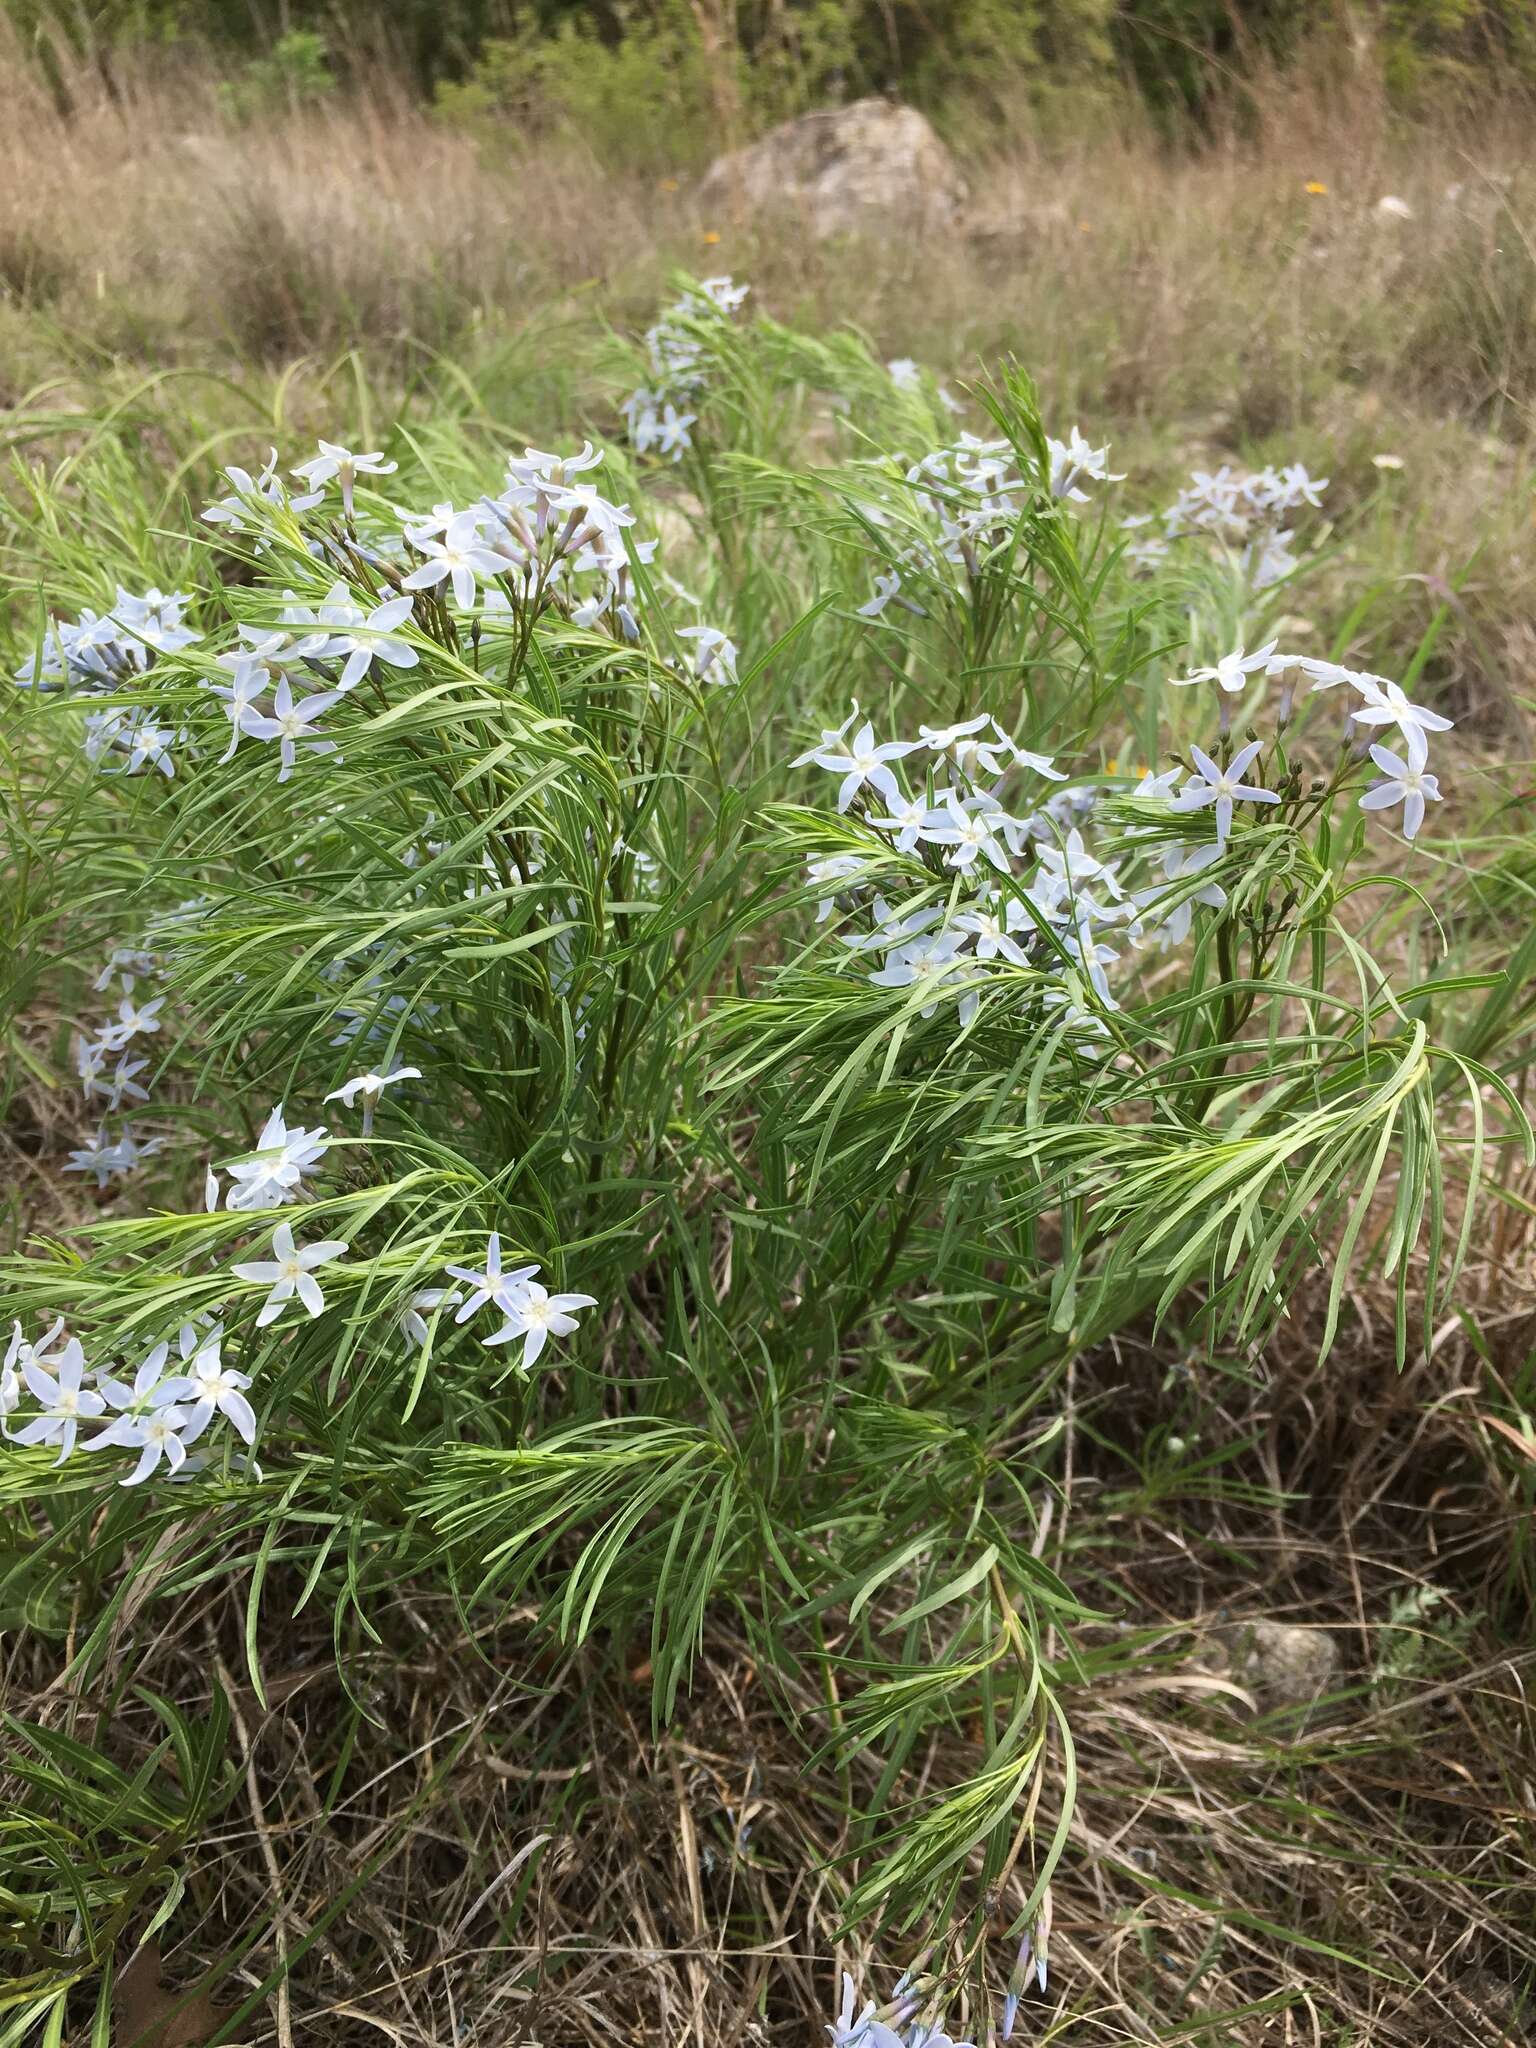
column 1024, row 891
column 247, row 510
column 907, row 2019
column 534, row 544
column 529, row 1311
column 677, row 361
column 995, row 887
column 275, row 1172
column 1072, row 461
column 969, row 495
column 109, row 651
column 1243, row 509
column 170, row 1402
column 547, row 523
column 99, row 655
column 109, row 1072
column 913, row 2015
column 389, row 582
column 1372, row 702
column 161, row 1412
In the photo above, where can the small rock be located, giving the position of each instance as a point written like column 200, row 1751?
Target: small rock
column 1281, row 1664
column 842, row 168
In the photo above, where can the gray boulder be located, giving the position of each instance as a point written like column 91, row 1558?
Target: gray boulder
column 842, row 168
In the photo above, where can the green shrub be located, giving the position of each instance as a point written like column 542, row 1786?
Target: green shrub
column 561, row 864
column 642, row 99
column 294, row 74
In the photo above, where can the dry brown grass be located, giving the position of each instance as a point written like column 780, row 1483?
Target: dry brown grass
column 464, row 1838
column 1147, row 281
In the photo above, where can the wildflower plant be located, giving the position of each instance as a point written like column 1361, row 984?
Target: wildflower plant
column 643, row 1111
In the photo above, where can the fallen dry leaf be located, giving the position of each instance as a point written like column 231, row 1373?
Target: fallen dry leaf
column 151, row 2015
